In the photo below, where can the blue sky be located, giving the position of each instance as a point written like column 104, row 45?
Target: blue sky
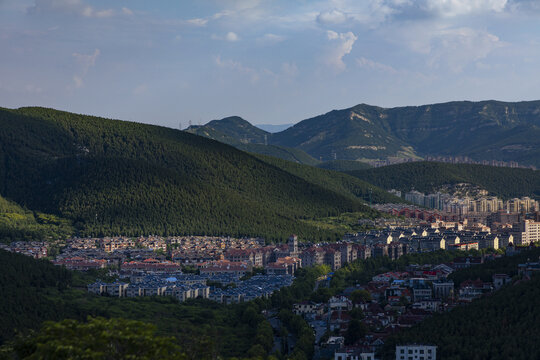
column 280, row 61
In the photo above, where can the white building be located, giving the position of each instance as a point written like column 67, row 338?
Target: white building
column 526, row 232
column 416, row 352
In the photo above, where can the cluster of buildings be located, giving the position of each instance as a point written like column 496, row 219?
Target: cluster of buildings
column 34, row 249
column 468, row 160
column 449, row 159
column 397, row 300
column 465, row 205
column 223, row 288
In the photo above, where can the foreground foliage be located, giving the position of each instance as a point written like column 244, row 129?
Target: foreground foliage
column 98, row 338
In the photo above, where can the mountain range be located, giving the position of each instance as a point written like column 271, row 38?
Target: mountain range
column 485, row 130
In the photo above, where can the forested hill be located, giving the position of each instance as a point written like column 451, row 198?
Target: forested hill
column 241, row 134
column 428, row 176
column 116, row 177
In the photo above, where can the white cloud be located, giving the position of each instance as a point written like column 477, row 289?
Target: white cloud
column 289, row 69
column 85, row 62
column 450, row 8
column 458, row 47
column 271, row 38
column 345, row 42
column 72, row 7
column 197, row 22
column 370, row 64
column 231, row 36
column 238, row 67
column 127, row 11
column 332, row 17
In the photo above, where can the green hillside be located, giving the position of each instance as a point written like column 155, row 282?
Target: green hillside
column 237, row 128
column 341, row 183
column 349, row 134
column 241, row 134
column 344, row 165
column 115, row 177
column 17, row 224
column 501, row 326
column 428, row 176
column 281, row 152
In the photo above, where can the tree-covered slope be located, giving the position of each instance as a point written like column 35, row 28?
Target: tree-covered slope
column 241, row 134
column 349, row 134
column 237, row 128
column 344, row 165
column 482, row 130
column 115, row 177
column 341, row 183
column 18, row 224
column 428, row 176
column 290, row 154
column 503, row 325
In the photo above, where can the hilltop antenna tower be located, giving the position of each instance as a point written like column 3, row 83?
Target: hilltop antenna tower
column 266, row 140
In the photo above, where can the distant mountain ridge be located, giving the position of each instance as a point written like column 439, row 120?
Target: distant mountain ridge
column 485, row 130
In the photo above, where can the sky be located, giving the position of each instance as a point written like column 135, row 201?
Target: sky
column 269, row 61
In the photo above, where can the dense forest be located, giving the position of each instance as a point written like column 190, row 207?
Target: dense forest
column 428, row 176
column 340, row 183
column 113, row 177
column 34, row 291
column 344, row 165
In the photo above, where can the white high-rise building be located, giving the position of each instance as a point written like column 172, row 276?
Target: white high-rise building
column 416, row 352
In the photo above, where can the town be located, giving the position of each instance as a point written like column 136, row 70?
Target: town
column 229, row 270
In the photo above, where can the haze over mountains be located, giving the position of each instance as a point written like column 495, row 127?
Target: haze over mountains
column 485, row 130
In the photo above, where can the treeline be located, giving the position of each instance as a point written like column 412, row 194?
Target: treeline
column 428, row 176
column 119, row 178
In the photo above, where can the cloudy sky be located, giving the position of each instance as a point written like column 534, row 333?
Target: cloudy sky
column 269, row 61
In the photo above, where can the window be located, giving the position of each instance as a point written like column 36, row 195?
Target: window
column 402, row 351
column 421, row 351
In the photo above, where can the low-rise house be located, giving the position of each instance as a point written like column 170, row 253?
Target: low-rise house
column 353, row 353
column 116, row 289
column 499, row 280
column 308, row 307
column 225, row 266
